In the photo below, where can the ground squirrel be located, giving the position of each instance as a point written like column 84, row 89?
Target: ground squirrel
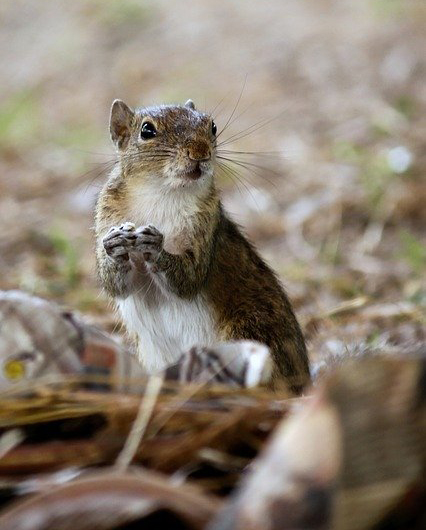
column 180, row 270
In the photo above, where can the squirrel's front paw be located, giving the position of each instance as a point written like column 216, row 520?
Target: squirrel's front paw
column 149, row 241
column 119, row 240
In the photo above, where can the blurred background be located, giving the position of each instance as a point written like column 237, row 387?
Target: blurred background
column 333, row 101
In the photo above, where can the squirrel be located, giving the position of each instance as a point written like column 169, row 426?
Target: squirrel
column 180, row 270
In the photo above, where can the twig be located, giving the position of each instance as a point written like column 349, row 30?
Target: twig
column 146, row 407
column 9, row 440
column 346, row 307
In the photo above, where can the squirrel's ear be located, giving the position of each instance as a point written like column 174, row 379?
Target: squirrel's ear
column 190, row 104
column 120, row 123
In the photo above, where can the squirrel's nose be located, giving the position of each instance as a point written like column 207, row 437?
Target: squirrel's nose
column 199, row 152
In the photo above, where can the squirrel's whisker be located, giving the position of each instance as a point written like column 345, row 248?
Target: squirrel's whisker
column 233, row 172
column 269, row 154
column 249, row 167
column 250, row 130
column 234, row 109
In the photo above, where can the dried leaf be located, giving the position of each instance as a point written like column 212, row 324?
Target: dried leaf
column 108, row 500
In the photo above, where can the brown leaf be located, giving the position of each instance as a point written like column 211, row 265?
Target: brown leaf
column 107, row 500
column 345, row 459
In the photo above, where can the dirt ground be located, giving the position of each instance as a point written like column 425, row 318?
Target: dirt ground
column 335, row 199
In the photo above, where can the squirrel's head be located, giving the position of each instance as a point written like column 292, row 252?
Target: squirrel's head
column 173, row 145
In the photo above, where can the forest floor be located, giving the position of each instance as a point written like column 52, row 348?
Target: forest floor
column 336, row 198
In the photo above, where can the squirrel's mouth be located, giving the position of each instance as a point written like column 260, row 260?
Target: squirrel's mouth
column 194, row 173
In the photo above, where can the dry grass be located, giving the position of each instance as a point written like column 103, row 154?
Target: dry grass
column 205, row 434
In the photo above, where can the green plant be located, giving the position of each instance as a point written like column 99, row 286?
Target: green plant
column 19, row 118
column 413, row 251
column 68, row 267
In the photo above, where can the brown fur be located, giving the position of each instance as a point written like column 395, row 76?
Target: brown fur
column 250, row 303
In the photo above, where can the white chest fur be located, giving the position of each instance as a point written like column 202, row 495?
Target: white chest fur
column 172, row 212
column 167, row 327
column 166, row 324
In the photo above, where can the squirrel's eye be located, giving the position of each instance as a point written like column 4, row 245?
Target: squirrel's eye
column 148, row 130
column 214, row 128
